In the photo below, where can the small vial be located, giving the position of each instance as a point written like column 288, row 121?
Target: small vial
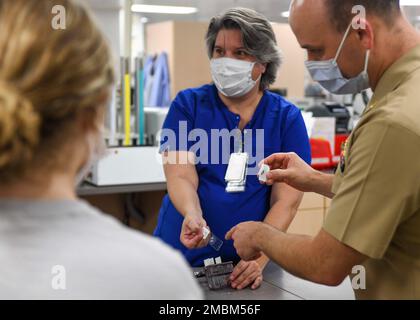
column 214, row 241
column 206, row 233
column 262, row 174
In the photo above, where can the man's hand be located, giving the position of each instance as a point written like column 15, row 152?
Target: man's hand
column 290, row 169
column 247, row 273
column 192, row 231
column 245, row 244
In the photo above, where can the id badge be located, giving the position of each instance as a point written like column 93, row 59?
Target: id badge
column 236, row 172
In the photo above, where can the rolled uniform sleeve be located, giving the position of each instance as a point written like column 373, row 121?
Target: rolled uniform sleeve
column 378, row 189
column 178, row 125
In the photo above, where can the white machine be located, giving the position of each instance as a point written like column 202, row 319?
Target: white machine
column 129, row 165
column 154, row 118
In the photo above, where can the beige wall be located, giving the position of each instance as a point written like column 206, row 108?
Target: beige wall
column 192, row 66
column 189, row 65
column 292, row 71
column 159, row 38
column 184, row 42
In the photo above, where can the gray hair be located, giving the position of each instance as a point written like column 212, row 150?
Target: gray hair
column 258, row 39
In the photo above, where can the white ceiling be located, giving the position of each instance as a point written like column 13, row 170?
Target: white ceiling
column 272, row 9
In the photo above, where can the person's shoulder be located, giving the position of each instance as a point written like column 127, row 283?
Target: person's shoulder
column 161, row 268
column 194, row 94
column 282, row 106
column 399, row 110
column 189, row 100
column 147, row 260
column 107, row 225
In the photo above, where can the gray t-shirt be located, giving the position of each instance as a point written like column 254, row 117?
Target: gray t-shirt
column 70, row 250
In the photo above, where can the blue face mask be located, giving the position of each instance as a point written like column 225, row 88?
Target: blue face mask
column 328, row 74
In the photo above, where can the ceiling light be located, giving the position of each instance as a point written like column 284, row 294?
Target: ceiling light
column 285, row 14
column 145, row 8
column 410, row 3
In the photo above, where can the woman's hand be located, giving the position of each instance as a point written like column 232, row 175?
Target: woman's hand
column 248, row 273
column 192, row 231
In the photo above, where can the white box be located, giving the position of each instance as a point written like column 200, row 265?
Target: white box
column 130, row 165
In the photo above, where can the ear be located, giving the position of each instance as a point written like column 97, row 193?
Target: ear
column 89, row 119
column 364, row 31
column 263, row 67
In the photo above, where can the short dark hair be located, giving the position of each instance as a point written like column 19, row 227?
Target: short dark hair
column 340, row 11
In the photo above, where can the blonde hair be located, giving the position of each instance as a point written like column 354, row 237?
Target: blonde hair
column 47, row 78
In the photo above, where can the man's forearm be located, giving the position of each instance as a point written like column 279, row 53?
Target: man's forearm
column 282, row 212
column 321, row 183
column 280, row 218
column 292, row 252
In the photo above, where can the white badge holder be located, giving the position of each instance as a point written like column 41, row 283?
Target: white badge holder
column 236, row 173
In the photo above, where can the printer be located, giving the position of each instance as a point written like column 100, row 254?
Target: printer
column 333, row 110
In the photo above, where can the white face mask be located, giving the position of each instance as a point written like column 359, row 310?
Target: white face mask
column 232, row 77
column 329, row 76
column 97, row 150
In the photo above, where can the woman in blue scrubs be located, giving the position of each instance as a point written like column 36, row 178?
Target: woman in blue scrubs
column 239, row 110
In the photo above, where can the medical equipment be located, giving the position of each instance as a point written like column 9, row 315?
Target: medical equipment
column 214, row 241
column 262, row 174
column 125, row 166
column 154, row 119
column 333, row 110
column 216, row 272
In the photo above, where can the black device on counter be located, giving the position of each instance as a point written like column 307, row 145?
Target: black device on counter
column 333, row 110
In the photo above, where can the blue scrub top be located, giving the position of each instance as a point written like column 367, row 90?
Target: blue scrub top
column 284, row 131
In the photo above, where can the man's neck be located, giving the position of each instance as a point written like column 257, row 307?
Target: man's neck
column 55, row 187
column 402, row 39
